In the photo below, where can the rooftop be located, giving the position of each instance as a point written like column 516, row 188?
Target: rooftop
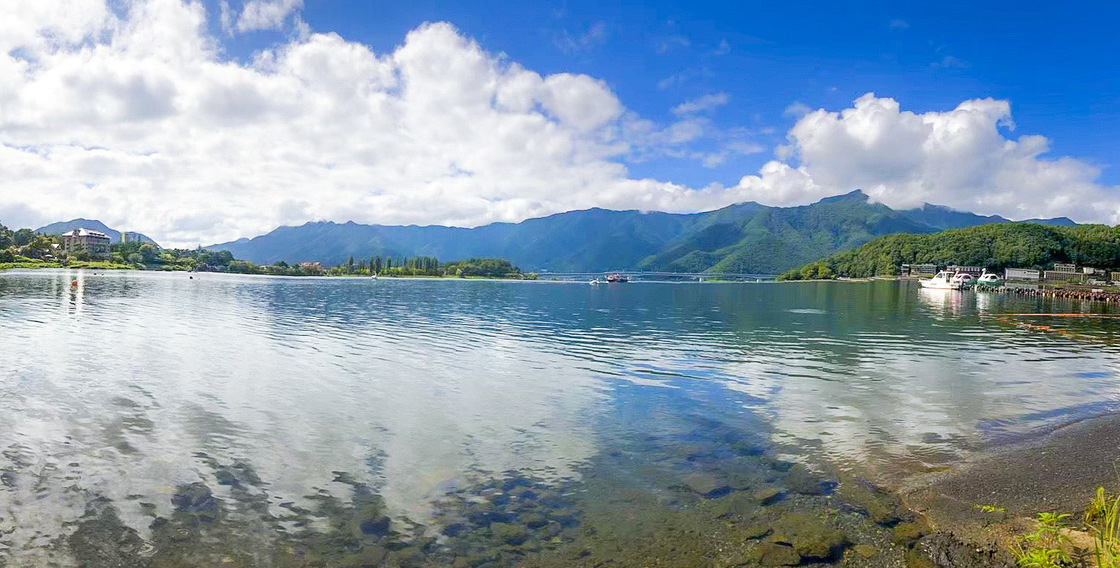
column 83, row 232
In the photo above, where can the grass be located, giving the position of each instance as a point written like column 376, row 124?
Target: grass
column 77, row 264
column 1047, row 547
column 1103, row 519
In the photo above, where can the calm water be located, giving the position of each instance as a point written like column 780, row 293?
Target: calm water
column 261, row 421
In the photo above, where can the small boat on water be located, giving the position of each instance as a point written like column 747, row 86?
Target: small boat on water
column 990, row 280
column 616, row 277
column 945, row 281
column 594, row 282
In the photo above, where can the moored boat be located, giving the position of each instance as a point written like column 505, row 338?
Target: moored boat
column 990, row 280
column 945, row 281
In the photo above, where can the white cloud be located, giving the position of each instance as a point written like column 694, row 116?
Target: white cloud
column 950, row 62
column 723, row 48
column 266, row 14
column 137, row 120
column 703, row 104
column 595, row 36
column 797, row 109
column 672, row 43
column 958, row 158
column 899, row 25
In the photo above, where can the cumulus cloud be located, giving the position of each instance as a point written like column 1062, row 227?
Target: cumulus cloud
column 266, row 14
column 134, row 117
column 960, row 158
column 128, row 112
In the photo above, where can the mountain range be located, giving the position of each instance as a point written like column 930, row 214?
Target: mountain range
column 741, row 238
column 65, row 226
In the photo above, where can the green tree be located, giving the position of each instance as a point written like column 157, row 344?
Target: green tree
column 5, row 237
column 149, row 253
column 23, row 237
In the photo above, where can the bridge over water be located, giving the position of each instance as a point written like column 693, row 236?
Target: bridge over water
column 637, row 275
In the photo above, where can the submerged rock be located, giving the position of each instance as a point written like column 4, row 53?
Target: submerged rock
column 768, row 495
column 368, row 557
column 737, row 505
column 904, row 533
column 865, row 550
column 509, row 533
column 776, row 554
column 534, row 520
column 809, row 535
column 195, row 498
column 706, row 484
column 102, row 539
column 879, row 505
column 801, row 480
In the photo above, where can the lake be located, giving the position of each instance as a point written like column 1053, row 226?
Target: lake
column 169, row 419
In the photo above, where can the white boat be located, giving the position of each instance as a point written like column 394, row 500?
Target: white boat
column 594, row 282
column 374, row 277
column 989, row 279
column 963, row 280
column 945, row 281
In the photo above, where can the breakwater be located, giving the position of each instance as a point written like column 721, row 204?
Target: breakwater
column 1090, row 295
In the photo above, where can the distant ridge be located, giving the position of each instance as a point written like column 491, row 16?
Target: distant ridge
column 64, row 226
column 740, row 238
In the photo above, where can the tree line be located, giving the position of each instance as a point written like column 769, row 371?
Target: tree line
column 994, row 246
column 429, row 266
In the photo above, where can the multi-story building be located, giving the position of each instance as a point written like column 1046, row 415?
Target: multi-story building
column 95, row 243
column 1020, row 274
column 919, row 269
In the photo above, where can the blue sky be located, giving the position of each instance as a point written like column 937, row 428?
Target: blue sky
column 1057, row 63
column 220, row 119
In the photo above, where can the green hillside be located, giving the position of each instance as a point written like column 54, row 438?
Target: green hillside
column 995, row 246
column 743, row 238
column 772, row 239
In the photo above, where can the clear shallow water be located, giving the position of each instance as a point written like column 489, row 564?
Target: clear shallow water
column 271, row 421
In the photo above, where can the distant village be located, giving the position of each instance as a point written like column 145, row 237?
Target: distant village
column 1060, row 273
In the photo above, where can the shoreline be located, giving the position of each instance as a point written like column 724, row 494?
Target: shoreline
column 985, row 502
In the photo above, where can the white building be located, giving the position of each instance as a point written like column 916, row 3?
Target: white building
column 1020, row 274
column 95, row 243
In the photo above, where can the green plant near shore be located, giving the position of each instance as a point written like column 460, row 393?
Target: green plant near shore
column 1103, row 519
column 1045, row 547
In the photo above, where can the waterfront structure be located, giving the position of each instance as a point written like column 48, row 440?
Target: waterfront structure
column 1021, row 274
column 1064, row 268
column 1114, row 276
column 95, row 243
column 972, row 270
column 919, row 269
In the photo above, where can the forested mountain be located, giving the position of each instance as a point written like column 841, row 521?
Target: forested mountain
column 64, row 226
column 741, row 238
column 995, row 246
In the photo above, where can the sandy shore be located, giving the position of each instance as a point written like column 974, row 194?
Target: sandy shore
column 990, row 499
